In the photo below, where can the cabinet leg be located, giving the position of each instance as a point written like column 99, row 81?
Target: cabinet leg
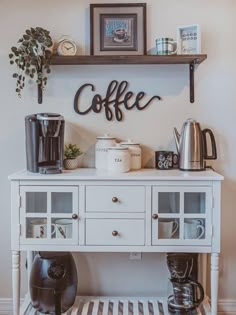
column 214, row 282
column 16, row 282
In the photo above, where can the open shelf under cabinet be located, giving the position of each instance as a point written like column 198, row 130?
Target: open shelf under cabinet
column 87, row 305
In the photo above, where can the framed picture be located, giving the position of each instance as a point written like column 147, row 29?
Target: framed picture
column 118, row 29
column 189, row 39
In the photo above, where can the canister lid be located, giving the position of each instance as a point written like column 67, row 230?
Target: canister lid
column 118, row 147
column 129, row 142
column 106, row 137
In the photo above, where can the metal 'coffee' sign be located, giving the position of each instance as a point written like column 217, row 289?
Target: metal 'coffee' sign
column 116, row 96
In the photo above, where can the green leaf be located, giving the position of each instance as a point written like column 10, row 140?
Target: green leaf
column 15, row 75
column 26, row 37
column 13, row 49
column 11, row 56
column 11, row 62
column 25, row 43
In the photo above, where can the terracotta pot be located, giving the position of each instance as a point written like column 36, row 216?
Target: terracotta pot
column 71, row 164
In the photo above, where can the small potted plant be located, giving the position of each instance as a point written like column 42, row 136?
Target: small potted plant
column 71, row 152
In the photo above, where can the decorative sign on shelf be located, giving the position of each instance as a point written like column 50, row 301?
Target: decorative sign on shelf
column 116, row 96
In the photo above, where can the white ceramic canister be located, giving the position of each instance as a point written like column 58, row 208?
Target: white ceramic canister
column 101, row 151
column 135, row 154
column 118, row 159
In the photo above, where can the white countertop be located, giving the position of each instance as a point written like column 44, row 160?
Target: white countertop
column 143, row 174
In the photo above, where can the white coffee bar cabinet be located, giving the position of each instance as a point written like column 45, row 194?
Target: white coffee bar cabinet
column 104, row 212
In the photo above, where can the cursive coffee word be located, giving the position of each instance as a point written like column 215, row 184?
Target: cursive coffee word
column 116, row 96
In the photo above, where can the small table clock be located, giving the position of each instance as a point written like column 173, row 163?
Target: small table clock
column 66, row 47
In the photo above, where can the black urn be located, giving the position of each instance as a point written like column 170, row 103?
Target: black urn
column 53, row 282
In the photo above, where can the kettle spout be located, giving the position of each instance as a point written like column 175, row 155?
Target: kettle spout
column 177, row 137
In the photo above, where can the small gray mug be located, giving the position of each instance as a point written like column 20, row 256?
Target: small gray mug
column 166, row 46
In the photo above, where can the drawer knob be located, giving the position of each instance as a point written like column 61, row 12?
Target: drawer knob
column 74, row 216
column 115, row 233
column 155, row 216
column 115, row 199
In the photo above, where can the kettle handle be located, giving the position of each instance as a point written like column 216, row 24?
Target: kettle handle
column 201, row 291
column 213, row 145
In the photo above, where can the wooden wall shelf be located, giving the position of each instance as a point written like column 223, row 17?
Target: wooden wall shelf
column 190, row 60
column 142, row 60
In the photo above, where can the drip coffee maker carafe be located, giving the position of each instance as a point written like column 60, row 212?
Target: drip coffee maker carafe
column 187, row 292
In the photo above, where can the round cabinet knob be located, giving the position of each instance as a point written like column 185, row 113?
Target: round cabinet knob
column 75, row 216
column 115, row 233
column 155, row 216
column 115, row 199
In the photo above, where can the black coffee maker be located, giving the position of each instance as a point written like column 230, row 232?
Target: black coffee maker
column 188, row 293
column 44, row 143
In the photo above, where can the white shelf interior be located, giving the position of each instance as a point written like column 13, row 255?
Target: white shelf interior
column 88, row 305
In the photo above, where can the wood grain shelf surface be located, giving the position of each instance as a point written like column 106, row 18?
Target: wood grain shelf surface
column 131, row 59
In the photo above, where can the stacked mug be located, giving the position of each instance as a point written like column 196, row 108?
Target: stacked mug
column 117, row 157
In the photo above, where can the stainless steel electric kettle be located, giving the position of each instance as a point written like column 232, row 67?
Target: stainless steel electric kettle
column 192, row 146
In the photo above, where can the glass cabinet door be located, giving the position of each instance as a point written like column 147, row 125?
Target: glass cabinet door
column 195, row 207
column 181, row 215
column 168, row 207
column 49, row 213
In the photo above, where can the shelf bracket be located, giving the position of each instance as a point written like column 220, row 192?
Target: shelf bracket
column 40, row 93
column 40, row 85
column 191, row 80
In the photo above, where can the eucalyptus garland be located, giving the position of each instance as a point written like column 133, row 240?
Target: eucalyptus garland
column 32, row 57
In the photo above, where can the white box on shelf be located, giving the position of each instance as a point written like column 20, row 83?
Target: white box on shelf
column 189, row 39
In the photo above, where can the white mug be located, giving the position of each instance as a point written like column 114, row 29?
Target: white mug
column 167, row 228
column 39, row 228
column 63, row 228
column 193, row 228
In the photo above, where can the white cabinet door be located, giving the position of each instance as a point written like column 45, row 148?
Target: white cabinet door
column 181, row 215
column 49, row 214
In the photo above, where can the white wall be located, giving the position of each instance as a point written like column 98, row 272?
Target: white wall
column 215, row 108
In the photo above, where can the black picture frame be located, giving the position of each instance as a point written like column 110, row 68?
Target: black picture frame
column 118, row 29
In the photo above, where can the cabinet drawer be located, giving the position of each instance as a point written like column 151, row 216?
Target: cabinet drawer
column 114, row 232
column 115, row 198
